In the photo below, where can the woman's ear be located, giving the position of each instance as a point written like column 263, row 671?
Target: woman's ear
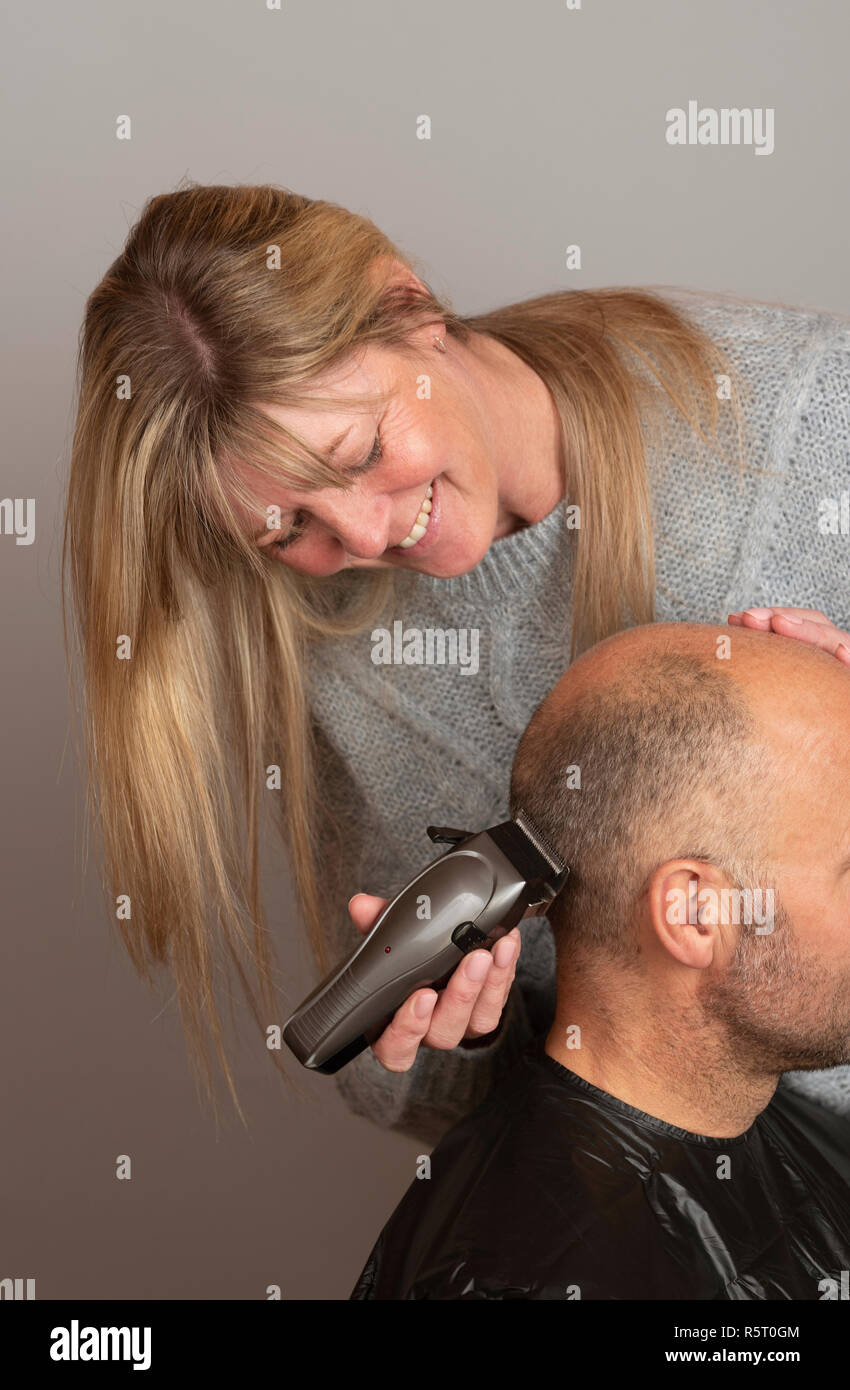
column 386, row 270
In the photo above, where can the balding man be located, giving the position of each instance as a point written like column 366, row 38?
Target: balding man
column 696, row 782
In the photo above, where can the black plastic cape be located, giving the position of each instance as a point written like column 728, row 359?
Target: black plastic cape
column 553, row 1189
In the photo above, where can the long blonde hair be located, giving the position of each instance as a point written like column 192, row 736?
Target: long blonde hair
column 192, row 642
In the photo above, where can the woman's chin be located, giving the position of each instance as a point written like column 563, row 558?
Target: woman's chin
column 460, row 560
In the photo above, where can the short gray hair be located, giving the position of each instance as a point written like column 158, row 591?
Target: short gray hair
column 668, row 753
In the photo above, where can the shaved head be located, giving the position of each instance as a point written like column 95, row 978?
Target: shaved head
column 693, row 754
column 648, row 747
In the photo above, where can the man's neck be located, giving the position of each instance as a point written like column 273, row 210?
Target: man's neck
column 667, row 1063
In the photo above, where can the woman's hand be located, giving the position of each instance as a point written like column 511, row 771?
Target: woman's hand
column 809, row 624
column 470, row 1005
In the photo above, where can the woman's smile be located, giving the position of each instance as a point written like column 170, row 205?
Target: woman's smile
column 423, row 533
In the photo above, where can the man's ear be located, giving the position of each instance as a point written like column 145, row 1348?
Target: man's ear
column 685, row 902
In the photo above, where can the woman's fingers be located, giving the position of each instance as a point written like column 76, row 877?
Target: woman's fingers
column 447, row 1015
column 813, row 628
column 807, row 624
column 396, row 1048
column 453, row 1009
column 363, row 909
column 472, row 1002
column 487, row 1009
column 469, row 1006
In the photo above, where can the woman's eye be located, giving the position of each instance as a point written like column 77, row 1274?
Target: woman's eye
column 300, row 521
column 298, row 524
column 374, row 457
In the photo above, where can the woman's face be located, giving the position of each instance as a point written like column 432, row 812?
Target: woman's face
column 434, row 477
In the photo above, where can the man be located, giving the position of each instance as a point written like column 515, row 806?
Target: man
column 696, row 782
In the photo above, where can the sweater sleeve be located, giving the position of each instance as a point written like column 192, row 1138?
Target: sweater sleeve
column 802, row 537
column 443, row 1085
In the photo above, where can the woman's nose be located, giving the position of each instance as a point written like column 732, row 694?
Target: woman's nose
column 360, row 522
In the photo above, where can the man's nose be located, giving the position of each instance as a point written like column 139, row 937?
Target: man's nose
column 360, row 522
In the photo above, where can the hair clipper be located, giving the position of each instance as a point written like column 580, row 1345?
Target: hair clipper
column 469, row 897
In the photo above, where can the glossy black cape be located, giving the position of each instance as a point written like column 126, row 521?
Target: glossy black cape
column 552, row 1189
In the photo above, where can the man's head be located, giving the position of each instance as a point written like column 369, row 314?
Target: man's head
column 675, row 766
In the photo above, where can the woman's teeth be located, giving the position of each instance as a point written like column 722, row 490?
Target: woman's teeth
column 420, row 525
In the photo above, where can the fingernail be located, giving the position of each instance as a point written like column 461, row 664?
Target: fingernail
column 735, row 615
column 424, row 1004
column 758, row 612
column 478, row 965
column 503, row 952
column 842, row 647
column 788, row 618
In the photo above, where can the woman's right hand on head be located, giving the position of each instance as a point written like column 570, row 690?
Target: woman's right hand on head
column 468, row 1007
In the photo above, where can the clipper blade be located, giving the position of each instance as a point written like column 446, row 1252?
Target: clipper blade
column 541, row 844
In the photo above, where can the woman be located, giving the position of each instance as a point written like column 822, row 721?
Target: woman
column 291, row 463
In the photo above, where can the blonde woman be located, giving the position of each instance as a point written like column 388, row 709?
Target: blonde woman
column 292, row 462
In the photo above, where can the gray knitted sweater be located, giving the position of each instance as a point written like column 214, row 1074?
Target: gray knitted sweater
column 409, row 744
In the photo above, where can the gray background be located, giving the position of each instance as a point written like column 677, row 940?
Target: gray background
column 548, row 129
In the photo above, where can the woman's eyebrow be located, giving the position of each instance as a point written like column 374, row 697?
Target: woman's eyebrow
column 335, row 443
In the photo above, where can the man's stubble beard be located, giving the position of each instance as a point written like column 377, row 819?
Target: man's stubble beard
column 782, row 1009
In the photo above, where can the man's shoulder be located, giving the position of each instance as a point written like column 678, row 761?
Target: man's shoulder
column 525, row 1167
